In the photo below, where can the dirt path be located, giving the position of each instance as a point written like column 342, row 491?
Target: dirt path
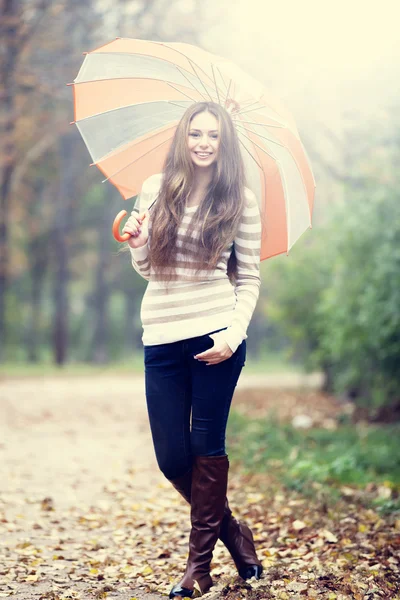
column 68, row 441
column 85, row 513
column 77, row 466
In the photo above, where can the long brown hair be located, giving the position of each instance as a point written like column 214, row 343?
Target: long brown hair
column 218, row 215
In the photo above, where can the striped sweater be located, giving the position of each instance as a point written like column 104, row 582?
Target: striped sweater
column 191, row 308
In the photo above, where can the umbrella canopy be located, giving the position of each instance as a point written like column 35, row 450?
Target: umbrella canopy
column 130, row 94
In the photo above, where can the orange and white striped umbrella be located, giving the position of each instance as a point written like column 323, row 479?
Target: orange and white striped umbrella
column 129, row 96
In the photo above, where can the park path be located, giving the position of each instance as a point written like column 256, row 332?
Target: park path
column 73, row 435
column 71, row 448
column 86, row 515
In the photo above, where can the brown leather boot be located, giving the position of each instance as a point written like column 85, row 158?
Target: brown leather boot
column 208, row 494
column 236, row 535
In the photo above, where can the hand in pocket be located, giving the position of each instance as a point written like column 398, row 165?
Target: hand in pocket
column 218, row 353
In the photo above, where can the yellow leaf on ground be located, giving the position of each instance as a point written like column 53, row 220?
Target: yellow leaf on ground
column 298, row 525
column 126, row 569
column 329, row 536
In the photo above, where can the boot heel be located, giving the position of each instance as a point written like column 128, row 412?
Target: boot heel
column 183, row 592
column 204, row 584
column 251, row 571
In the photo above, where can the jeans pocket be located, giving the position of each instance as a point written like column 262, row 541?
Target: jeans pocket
column 157, row 355
column 203, row 344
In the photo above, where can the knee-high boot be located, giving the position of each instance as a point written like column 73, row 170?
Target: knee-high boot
column 236, row 535
column 208, row 494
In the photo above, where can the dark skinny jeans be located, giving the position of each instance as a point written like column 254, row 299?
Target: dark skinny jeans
column 180, row 388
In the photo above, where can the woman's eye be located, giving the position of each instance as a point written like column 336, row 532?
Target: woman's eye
column 213, row 136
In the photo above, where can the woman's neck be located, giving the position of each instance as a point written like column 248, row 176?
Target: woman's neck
column 202, row 179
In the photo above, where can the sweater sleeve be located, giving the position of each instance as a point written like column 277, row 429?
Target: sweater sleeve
column 140, row 256
column 247, row 247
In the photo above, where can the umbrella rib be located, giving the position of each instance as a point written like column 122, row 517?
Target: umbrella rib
column 282, row 175
column 223, row 80
column 170, row 62
column 272, row 119
column 248, row 151
column 244, row 110
column 264, row 124
column 147, row 78
column 273, row 109
column 192, row 63
column 175, row 104
column 111, row 110
column 260, row 136
column 258, row 146
column 283, row 146
column 184, row 55
column 215, row 82
column 180, row 91
column 187, row 79
column 133, row 161
column 195, row 72
column 229, row 88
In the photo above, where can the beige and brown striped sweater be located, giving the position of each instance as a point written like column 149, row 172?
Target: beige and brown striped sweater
column 191, row 308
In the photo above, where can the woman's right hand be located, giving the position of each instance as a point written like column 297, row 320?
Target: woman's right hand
column 138, row 227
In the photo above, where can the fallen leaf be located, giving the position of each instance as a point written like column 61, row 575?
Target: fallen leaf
column 298, row 525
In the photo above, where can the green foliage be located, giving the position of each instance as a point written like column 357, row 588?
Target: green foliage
column 338, row 297
column 359, row 313
column 295, row 284
column 349, row 455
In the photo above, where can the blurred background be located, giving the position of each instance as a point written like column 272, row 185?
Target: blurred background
column 70, row 300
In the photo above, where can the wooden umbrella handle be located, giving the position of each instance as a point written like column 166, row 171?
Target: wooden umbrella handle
column 115, row 228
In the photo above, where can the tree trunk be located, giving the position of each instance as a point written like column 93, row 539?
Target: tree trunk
column 101, row 295
column 8, row 31
column 62, row 229
column 39, row 258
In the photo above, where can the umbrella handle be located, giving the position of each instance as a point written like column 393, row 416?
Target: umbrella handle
column 115, row 228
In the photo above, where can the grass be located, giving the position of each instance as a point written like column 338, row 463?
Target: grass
column 131, row 365
column 324, row 459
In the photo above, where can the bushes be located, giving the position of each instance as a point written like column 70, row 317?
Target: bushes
column 359, row 313
column 338, row 298
column 314, row 459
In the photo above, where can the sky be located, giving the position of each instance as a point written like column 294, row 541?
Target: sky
column 317, row 55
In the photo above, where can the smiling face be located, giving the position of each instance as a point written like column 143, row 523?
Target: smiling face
column 203, row 139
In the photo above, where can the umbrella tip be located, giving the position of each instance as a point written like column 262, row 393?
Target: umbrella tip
column 85, row 53
column 91, row 165
column 118, row 38
column 69, row 84
column 72, row 122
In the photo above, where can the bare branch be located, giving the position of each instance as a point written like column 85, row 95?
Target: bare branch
column 29, row 32
column 35, row 152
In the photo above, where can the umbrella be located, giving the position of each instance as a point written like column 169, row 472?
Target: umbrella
column 129, row 96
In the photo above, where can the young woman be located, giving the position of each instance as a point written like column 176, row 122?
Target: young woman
column 199, row 248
